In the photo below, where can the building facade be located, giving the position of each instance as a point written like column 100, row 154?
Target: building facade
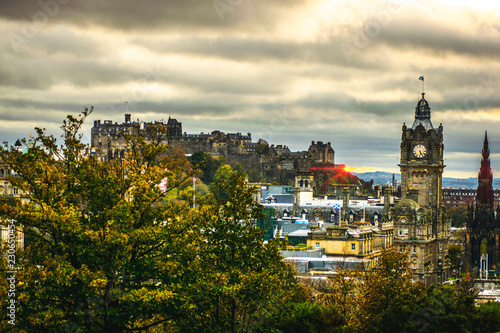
column 420, row 224
column 456, row 197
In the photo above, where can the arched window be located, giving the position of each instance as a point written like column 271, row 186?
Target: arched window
column 285, row 213
column 304, row 215
column 301, row 183
column 2, row 172
column 307, row 183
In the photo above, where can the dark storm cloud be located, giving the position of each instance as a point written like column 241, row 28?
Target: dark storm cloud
column 34, row 73
column 150, row 14
column 259, row 50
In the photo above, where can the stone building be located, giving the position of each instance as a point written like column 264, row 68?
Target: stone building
column 275, row 163
column 420, row 224
column 110, row 140
column 483, row 227
column 358, row 240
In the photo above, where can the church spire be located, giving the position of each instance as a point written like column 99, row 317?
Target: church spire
column 485, row 177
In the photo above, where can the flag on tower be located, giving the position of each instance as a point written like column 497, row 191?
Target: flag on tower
column 421, row 78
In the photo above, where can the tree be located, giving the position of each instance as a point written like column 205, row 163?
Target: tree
column 111, row 252
column 458, row 215
column 206, row 164
column 241, row 278
column 387, row 296
column 106, row 253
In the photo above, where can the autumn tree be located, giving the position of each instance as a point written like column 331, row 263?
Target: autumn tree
column 241, row 278
column 105, row 253
column 387, row 295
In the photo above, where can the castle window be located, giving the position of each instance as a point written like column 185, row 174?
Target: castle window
column 285, row 213
column 414, row 264
column 2, row 172
column 353, row 246
column 351, row 217
column 306, row 183
column 317, row 245
column 414, row 249
column 440, row 246
column 301, row 183
column 375, row 218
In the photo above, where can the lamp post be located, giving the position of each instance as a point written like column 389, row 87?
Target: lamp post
column 194, row 192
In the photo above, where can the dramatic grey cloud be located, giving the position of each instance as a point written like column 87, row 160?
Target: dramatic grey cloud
column 290, row 72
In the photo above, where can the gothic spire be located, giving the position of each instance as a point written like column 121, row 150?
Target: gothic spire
column 485, row 177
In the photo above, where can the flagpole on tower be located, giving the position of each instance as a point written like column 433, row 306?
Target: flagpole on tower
column 421, row 78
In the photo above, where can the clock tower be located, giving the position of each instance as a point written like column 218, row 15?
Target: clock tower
column 422, row 159
column 420, row 225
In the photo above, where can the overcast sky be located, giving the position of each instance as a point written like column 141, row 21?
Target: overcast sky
column 288, row 71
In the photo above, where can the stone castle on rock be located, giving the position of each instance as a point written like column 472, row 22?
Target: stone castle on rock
column 264, row 162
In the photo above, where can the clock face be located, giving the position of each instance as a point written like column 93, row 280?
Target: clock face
column 419, row 151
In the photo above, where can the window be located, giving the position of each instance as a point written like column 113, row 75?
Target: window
column 317, row 245
column 307, row 183
column 301, row 183
column 414, row 249
column 353, row 246
column 375, row 218
column 403, row 232
column 351, row 217
column 285, row 213
column 414, row 264
column 440, row 246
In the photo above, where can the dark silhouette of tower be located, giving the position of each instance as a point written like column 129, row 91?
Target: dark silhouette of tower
column 482, row 227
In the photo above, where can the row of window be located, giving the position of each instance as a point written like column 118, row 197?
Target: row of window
column 353, row 246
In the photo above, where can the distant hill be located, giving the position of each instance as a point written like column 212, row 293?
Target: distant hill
column 385, row 178
column 379, row 177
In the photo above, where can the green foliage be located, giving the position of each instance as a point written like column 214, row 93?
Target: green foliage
column 240, row 278
column 304, row 317
column 100, row 237
column 458, row 216
column 206, row 164
column 387, row 295
column 111, row 253
column 488, row 315
column 455, row 256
